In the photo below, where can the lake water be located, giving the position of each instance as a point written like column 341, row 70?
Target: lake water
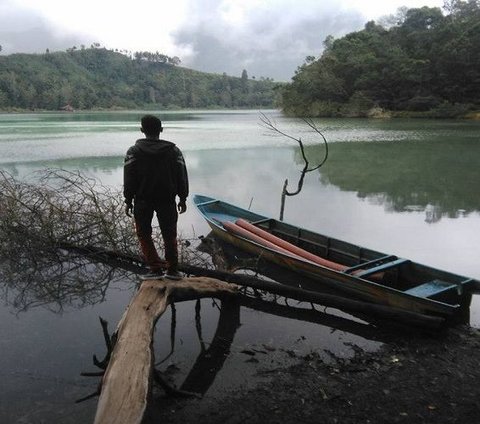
column 406, row 187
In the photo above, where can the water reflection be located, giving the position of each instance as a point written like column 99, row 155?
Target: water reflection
column 214, row 353
column 210, row 360
column 439, row 177
column 55, row 280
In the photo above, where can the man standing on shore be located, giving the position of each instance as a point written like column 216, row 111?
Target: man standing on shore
column 154, row 175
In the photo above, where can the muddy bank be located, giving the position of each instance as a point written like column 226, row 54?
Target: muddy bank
column 416, row 378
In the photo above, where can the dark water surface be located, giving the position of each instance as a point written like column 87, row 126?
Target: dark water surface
column 406, row 187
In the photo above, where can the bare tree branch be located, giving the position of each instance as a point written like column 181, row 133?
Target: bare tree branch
column 57, row 236
column 267, row 123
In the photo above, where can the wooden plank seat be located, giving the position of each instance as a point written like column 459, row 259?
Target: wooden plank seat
column 370, row 264
column 382, row 267
column 261, row 221
column 430, row 288
column 435, row 287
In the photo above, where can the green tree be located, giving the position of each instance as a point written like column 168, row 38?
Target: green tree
column 421, row 61
column 89, row 78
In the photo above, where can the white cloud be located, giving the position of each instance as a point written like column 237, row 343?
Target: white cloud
column 138, row 25
column 271, row 37
column 24, row 30
column 266, row 37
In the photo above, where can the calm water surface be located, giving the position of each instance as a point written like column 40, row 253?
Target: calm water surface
column 406, row 187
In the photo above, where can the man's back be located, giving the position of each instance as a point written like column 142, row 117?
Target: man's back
column 155, row 170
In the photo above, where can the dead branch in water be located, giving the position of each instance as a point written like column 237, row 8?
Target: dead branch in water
column 306, row 167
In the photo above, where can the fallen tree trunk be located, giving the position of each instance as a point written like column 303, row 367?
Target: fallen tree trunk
column 128, row 377
column 292, row 291
column 325, row 299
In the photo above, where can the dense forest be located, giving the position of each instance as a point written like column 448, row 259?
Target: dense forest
column 95, row 78
column 421, row 61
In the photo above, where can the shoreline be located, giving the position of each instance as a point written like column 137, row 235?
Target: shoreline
column 416, row 378
column 380, row 115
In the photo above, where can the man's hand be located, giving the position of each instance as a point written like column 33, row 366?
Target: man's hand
column 129, row 209
column 182, row 206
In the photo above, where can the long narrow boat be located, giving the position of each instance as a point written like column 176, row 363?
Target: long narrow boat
column 354, row 270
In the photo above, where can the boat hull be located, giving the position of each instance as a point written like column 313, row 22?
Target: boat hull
column 454, row 304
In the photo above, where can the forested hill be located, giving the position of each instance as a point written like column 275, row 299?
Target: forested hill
column 96, row 78
column 425, row 62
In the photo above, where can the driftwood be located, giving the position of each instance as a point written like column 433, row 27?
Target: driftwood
column 128, row 377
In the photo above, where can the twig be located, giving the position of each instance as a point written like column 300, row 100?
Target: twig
column 171, row 390
column 93, row 374
column 96, row 393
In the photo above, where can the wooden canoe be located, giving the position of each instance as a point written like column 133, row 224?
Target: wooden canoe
column 354, row 270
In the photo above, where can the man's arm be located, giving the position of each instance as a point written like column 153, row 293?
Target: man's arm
column 129, row 180
column 182, row 182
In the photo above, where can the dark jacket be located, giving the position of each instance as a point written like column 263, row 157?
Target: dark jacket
column 154, row 170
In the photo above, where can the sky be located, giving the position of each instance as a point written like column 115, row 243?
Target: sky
column 268, row 38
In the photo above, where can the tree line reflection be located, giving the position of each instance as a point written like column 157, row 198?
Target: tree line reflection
column 439, row 177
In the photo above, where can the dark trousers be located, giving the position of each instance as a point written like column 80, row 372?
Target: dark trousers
column 167, row 215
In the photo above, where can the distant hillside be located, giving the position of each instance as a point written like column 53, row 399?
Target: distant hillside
column 99, row 78
column 423, row 63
